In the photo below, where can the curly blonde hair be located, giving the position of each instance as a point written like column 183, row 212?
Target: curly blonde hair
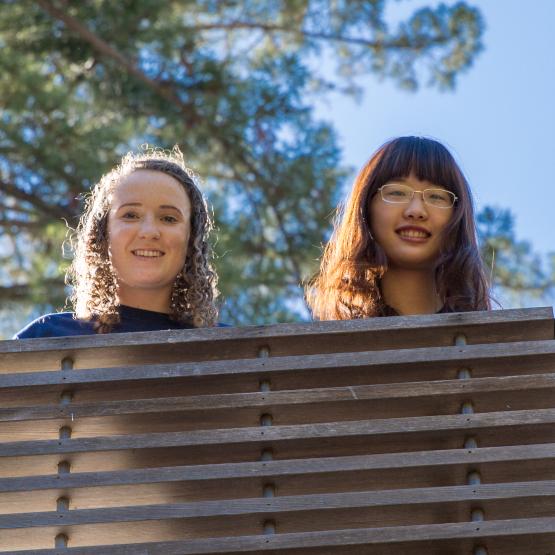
column 92, row 275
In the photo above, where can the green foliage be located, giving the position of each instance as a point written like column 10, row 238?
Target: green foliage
column 519, row 275
column 231, row 83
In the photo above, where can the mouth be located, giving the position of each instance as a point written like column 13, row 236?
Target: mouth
column 148, row 253
column 413, row 233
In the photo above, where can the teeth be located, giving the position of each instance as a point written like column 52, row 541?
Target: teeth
column 148, row 253
column 413, row 233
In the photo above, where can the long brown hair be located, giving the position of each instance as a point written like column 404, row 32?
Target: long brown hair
column 348, row 283
column 93, row 278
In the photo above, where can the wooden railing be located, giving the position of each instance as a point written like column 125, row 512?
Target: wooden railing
column 406, row 435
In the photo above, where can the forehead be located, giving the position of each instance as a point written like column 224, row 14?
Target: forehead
column 150, row 187
column 416, row 183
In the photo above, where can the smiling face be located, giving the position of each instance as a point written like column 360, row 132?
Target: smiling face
column 148, row 233
column 411, row 234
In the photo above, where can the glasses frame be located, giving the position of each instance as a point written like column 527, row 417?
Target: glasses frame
column 452, row 195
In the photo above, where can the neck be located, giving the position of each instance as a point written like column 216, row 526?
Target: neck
column 156, row 301
column 410, row 291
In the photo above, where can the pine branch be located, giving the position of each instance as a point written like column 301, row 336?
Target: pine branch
column 47, row 209
column 400, row 43
column 109, row 51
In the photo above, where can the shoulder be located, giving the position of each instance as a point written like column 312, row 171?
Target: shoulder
column 60, row 324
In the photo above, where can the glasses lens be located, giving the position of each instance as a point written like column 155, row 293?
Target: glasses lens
column 439, row 197
column 396, row 192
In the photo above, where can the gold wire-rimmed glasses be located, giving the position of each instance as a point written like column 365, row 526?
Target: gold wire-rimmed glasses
column 398, row 193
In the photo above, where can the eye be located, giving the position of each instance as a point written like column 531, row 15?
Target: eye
column 439, row 195
column 396, row 192
column 129, row 215
column 169, row 219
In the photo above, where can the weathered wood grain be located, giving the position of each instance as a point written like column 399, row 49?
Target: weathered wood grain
column 286, row 372
column 287, row 407
column 368, row 428
column 281, row 339
column 291, row 477
column 527, row 536
column 514, row 537
column 366, row 439
column 533, row 491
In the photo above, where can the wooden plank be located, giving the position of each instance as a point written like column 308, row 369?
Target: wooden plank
column 397, row 426
column 526, row 536
column 290, row 372
column 291, row 477
column 343, row 438
column 475, row 494
column 296, row 514
column 287, row 407
column 284, row 399
column 281, row 339
column 428, row 460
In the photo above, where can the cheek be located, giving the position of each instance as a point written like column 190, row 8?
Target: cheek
column 180, row 241
column 114, row 240
column 442, row 226
column 379, row 219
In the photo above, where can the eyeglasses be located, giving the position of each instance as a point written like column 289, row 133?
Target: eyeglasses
column 397, row 193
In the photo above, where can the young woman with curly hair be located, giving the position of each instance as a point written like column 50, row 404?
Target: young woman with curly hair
column 142, row 260
column 405, row 242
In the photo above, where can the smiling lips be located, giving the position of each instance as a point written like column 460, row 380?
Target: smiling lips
column 413, row 233
column 148, row 253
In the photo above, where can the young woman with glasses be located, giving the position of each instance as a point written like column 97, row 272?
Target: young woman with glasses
column 405, row 242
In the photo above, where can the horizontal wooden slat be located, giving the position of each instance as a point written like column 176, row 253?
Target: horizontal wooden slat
column 291, row 514
column 291, row 477
column 461, row 389
column 527, row 536
column 287, row 407
column 292, row 372
column 281, row 339
column 399, row 498
column 445, row 423
column 233, row 445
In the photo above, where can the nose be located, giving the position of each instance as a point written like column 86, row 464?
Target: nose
column 149, row 228
column 416, row 208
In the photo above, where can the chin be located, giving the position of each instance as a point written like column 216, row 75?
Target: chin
column 413, row 265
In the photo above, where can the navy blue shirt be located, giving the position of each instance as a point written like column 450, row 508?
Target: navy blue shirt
column 62, row 324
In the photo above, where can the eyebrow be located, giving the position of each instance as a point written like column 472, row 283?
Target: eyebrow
column 435, row 186
column 162, row 206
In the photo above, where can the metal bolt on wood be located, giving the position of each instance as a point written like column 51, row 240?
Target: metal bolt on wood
column 266, row 420
column 460, row 339
column 62, row 504
column 263, row 352
column 67, row 363
column 65, row 432
column 66, row 397
column 467, row 407
column 64, row 467
column 477, row 515
column 471, row 443
column 269, row 527
column 267, row 455
column 60, row 540
column 269, row 490
column 480, row 550
column 464, row 374
column 473, row 478
column 265, row 385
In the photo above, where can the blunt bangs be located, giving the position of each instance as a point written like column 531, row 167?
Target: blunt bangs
column 427, row 159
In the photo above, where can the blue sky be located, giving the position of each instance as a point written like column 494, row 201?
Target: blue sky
column 499, row 122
